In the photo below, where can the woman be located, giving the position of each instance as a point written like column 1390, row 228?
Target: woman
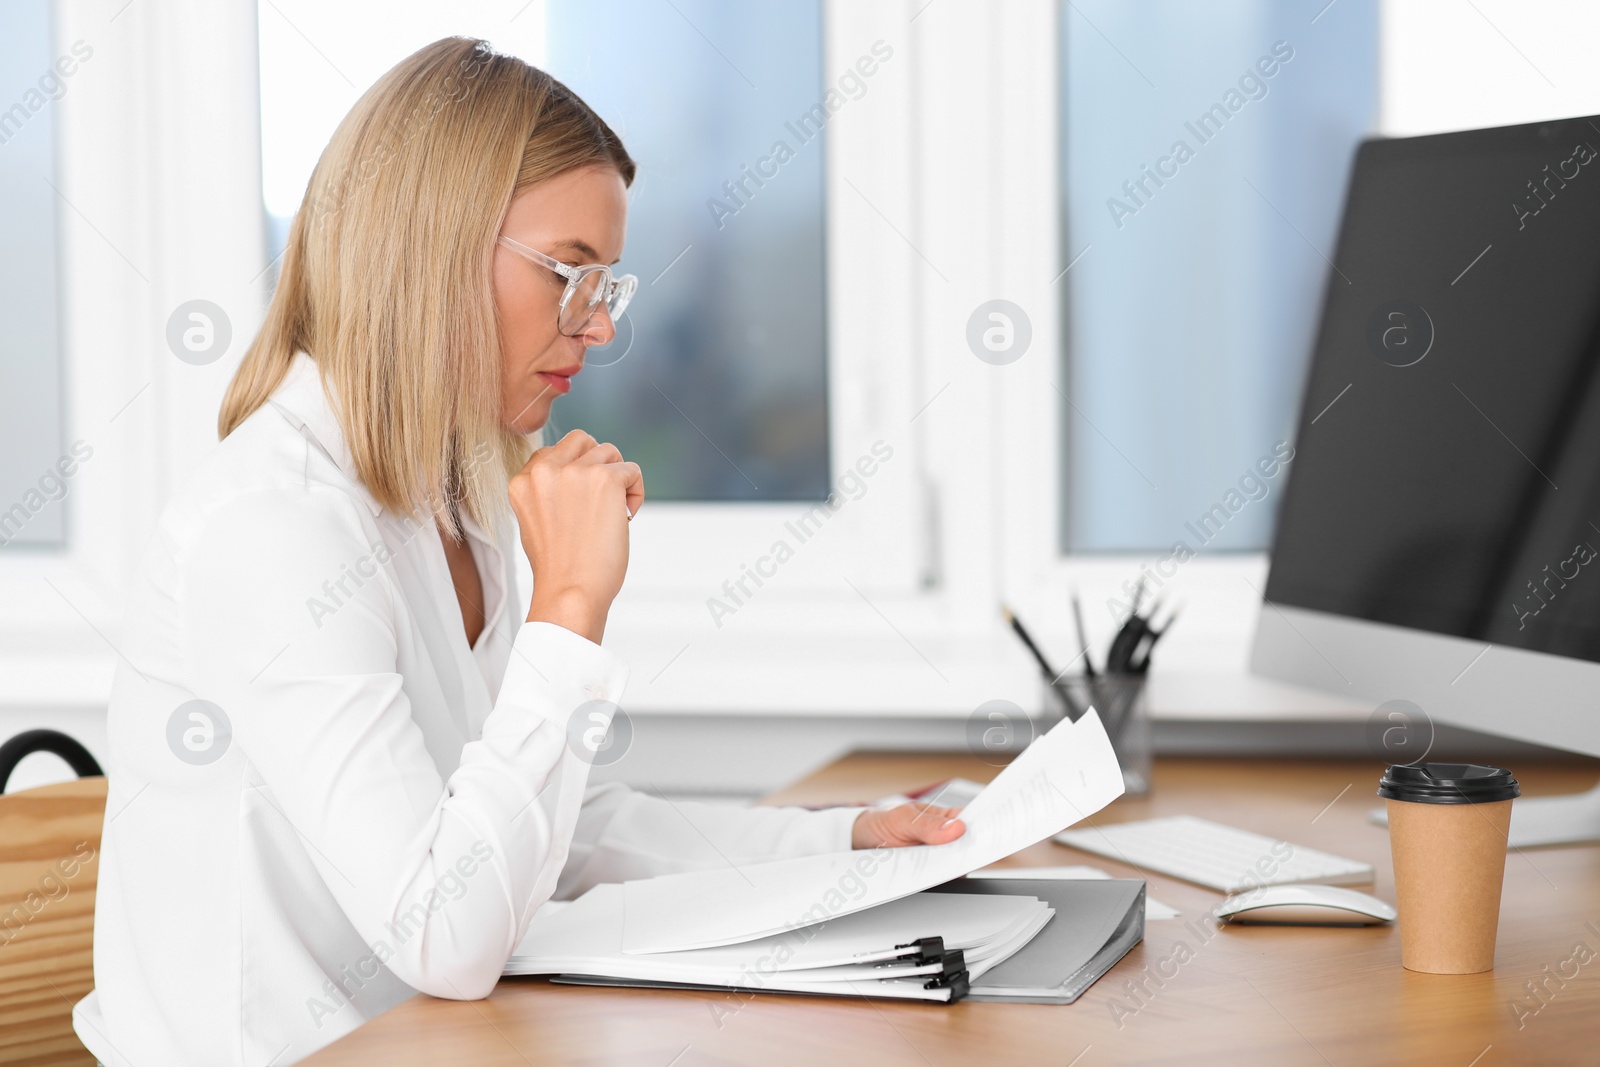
column 345, row 764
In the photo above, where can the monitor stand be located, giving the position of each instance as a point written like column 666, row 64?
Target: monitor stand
column 1573, row 819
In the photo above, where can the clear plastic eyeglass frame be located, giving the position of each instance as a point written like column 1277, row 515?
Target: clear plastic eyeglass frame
column 587, row 287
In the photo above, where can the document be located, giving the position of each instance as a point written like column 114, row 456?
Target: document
column 1063, row 777
column 585, row 938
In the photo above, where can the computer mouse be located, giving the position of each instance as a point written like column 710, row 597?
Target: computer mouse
column 1305, row 905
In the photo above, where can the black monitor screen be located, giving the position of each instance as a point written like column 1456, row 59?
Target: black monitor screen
column 1447, row 467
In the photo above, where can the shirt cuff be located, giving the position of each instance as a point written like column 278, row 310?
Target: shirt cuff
column 569, row 669
column 834, row 825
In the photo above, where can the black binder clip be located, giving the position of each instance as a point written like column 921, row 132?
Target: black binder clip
column 952, row 973
column 923, row 950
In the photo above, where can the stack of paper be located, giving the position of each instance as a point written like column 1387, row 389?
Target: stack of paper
column 908, row 948
column 830, row 923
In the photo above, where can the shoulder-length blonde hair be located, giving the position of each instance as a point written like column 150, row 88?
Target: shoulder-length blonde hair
column 387, row 278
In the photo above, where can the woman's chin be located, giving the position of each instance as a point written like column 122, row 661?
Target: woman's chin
column 530, row 421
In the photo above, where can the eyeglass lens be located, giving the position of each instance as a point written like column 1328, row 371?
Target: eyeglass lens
column 585, row 297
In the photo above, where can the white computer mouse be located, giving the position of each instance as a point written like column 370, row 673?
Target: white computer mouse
column 1305, row 905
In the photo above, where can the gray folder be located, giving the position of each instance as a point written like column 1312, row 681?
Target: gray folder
column 1096, row 923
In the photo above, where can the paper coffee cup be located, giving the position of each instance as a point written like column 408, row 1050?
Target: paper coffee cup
column 1447, row 833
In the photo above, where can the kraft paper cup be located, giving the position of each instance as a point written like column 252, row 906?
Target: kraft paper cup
column 1447, row 833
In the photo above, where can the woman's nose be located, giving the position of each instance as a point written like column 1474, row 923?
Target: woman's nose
column 599, row 330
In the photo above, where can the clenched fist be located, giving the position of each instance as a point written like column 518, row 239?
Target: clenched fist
column 572, row 501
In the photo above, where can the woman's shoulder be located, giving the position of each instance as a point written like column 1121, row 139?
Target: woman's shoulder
column 269, row 478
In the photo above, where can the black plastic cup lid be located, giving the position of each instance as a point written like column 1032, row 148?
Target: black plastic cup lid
column 1448, row 783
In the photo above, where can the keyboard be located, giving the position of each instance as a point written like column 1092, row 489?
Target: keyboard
column 1211, row 854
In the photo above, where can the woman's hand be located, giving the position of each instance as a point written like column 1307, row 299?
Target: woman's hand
column 569, row 500
column 908, row 824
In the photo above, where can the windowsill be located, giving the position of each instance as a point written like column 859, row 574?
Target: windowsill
column 848, row 675
column 1238, row 696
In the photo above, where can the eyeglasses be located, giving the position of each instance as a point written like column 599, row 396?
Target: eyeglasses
column 587, row 286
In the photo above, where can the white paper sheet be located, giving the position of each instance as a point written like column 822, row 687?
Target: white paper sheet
column 1064, row 776
column 1153, row 908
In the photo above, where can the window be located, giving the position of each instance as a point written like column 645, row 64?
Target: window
column 31, row 419
column 938, row 189
column 1205, row 151
column 716, row 383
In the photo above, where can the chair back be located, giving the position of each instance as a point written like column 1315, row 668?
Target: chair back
column 49, row 862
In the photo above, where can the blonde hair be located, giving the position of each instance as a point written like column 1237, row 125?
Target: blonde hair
column 387, row 277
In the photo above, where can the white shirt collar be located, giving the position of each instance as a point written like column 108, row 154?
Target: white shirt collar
column 305, row 400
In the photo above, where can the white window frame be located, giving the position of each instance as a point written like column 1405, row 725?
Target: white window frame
column 918, row 212
column 872, row 614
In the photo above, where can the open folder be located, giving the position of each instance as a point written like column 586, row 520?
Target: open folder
column 1096, row 923
column 789, row 925
column 926, row 947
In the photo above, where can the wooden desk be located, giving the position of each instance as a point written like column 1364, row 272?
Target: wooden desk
column 1235, row 995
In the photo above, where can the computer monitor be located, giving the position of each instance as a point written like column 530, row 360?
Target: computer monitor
column 1439, row 536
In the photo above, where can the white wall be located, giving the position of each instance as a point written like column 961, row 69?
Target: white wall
column 1455, row 65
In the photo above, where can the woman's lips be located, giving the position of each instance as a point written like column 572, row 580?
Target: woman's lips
column 559, row 383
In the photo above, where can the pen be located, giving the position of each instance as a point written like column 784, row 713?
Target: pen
column 1123, row 645
column 1143, row 665
column 1083, row 636
column 1021, row 631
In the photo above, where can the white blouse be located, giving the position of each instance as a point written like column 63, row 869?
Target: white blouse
column 365, row 806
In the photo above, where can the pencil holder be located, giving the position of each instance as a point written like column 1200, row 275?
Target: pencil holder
column 1121, row 703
